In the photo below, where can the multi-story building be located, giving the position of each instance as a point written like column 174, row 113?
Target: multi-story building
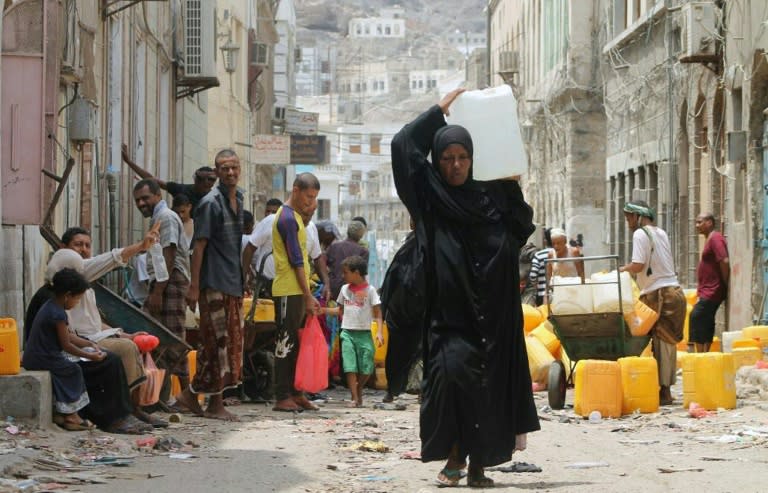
column 547, row 52
column 684, row 95
column 361, row 166
column 365, row 79
column 104, row 75
column 679, row 97
column 313, row 71
column 389, row 24
column 425, row 81
column 465, row 41
column 286, row 51
column 243, row 107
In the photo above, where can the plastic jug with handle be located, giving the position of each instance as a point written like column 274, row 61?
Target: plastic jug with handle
column 490, row 116
column 10, row 359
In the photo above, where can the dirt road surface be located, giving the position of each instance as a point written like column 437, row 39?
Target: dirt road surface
column 339, row 449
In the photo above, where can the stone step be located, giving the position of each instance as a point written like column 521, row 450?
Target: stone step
column 27, row 397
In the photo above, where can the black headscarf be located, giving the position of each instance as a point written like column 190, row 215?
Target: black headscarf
column 451, row 134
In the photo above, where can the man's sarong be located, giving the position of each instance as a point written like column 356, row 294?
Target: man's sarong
column 173, row 313
column 220, row 361
column 671, row 305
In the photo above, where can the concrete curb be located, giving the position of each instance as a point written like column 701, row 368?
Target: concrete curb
column 27, row 397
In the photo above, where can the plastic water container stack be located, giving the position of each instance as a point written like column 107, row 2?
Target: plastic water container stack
column 616, row 388
column 542, row 345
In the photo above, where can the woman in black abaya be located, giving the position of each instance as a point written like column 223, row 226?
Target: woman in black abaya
column 477, row 402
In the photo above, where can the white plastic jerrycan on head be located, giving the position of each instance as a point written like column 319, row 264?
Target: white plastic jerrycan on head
column 490, row 116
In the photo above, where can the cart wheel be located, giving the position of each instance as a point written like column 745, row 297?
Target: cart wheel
column 258, row 375
column 556, row 385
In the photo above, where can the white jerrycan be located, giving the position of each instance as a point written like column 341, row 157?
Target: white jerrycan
column 490, row 116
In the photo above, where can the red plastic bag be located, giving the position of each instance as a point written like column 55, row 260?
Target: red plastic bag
column 149, row 391
column 312, row 362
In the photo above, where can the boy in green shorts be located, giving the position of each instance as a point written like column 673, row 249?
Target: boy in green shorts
column 358, row 303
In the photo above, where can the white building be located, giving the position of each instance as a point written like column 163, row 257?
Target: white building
column 425, row 81
column 285, row 55
column 313, row 70
column 365, row 79
column 389, row 24
column 466, row 42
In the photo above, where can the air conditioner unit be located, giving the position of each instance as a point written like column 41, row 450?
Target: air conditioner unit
column 509, row 62
column 698, row 29
column 199, row 38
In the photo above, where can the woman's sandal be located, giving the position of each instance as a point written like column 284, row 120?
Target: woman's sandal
column 448, row 478
column 65, row 424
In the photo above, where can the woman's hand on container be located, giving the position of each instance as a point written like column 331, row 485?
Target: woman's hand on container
column 448, row 99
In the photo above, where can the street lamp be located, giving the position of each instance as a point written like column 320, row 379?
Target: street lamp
column 229, row 50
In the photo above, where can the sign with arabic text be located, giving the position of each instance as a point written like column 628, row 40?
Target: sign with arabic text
column 308, row 149
column 301, row 122
column 271, row 149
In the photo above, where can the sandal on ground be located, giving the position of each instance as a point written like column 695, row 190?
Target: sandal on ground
column 479, row 481
column 296, row 409
column 448, row 478
column 151, row 419
column 129, row 425
column 81, row 426
column 305, row 404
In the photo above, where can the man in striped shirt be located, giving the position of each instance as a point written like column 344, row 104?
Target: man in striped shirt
column 538, row 274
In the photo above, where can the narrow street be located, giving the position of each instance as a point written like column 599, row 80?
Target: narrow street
column 372, row 450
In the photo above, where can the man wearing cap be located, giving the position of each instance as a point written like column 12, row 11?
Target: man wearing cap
column 659, row 289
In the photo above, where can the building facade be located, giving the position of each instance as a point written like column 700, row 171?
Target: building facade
column 389, row 24
column 286, row 51
column 547, row 52
column 243, row 106
column 144, row 75
column 656, row 100
column 680, row 124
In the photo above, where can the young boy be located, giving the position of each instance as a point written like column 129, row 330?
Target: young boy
column 358, row 304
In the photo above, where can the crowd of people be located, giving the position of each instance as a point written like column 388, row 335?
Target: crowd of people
column 214, row 254
column 652, row 265
column 451, row 297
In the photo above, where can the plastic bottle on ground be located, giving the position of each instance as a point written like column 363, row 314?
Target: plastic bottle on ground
column 595, row 417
